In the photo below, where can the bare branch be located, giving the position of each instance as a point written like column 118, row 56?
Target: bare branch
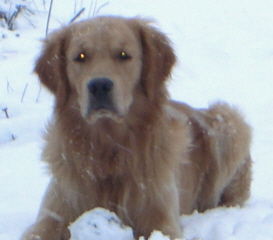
column 95, row 7
column 5, row 110
column 13, row 137
column 48, row 17
column 77, row 15
column 3, row 16
column 24, row 92
column 14, row 15
column 39, row 92
column 10, row 20
column 101, row 7
column 90, row 8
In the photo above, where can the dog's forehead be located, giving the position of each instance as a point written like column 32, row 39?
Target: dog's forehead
column 103, row 29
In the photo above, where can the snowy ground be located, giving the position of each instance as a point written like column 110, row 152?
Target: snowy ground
column 225, row 50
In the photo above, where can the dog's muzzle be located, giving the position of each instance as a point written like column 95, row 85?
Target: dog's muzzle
column 100, row 95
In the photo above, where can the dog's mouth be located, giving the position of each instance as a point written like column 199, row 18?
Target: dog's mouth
column 101, row 111
column 100, row 100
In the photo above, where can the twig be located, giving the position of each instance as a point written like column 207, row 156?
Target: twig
column 10, row 20
column 100, row 7
column 8, row 86
column 15, row 14
column 75, row 6
column 30, row 23
column 5, row 110
column 24, row 92
column 13, row 137
column 29, row 12
column 48, row 17
column 90, row 8
column 81, row 2
column 3, row 16
column 94, row 9
column 44, row 4
column 39, row 93
column 77, row 15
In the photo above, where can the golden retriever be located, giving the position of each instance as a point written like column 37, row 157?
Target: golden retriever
column 117, row 141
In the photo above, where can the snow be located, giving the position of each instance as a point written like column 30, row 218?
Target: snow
column 100, row 224
column 254, row 221
column 225, row 51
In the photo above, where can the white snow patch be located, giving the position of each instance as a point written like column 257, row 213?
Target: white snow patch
column 99, row 224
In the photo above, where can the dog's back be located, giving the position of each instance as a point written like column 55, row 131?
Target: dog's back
column 219, row 168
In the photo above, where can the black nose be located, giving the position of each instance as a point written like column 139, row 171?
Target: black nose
column 100, row 87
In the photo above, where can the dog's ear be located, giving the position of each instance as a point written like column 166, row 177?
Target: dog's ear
column 51, row 65
column 158, row 59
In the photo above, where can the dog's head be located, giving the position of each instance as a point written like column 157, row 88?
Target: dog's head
column 98, row 65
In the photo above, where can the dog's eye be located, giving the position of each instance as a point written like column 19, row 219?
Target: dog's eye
column 81, row 57
column 124, row 55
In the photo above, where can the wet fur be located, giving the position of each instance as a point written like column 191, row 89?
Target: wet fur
column 159, row 160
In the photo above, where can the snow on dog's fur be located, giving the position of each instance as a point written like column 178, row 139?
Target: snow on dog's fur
column 118, row 142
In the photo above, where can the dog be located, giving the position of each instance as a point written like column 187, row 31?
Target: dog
column 119, row 142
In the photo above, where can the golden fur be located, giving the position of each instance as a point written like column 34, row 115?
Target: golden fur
column 147, row 158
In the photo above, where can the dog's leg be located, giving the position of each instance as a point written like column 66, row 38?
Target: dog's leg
column 47, row 229
column 167, row 225
column 237, row 191
column 53, row 218
column 160, row 214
